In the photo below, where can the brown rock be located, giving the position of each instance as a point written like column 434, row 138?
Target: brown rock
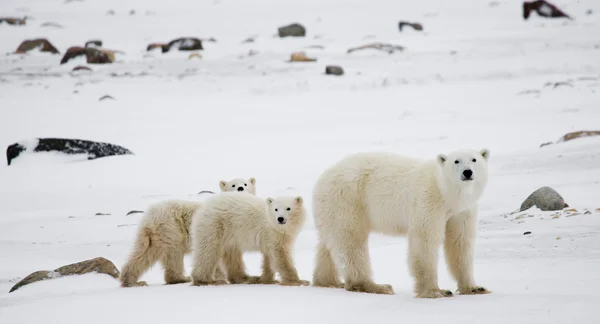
column 334, row 70
column 415, row 26
column 99, row 265
column 41, row 43
column 13, row 20
column 301, row 57
column 154, row 46
column 543, row 9
column 195, row 55
column 93, row 55
column 578, row 134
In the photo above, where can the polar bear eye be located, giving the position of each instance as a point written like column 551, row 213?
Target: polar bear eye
column 456, row 162
column 474, row 160
column 288, row 209
column 276, row 209
column 232, row 186
column 245, row 185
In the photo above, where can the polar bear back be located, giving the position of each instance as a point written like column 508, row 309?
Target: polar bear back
column 378, row 189
column 242, row 217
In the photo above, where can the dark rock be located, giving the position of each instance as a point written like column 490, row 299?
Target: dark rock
column 545, row 199
column 41, row 43
column 99, row 265
column 293, row 30
column 154, row 46
column 93, row 43
column 94, row 150
column 334, row 70
column 415, row 26
column 81, row 68
column 543, row 9
column 13, row 21
column 183, row 44
column 131, row 212
column 527, row 233
column 105, row 97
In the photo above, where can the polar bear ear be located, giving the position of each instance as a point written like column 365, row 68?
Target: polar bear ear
column 485, row 153
column 299, row 200
column 252, row 181
column 441, row 159
column 223, row 185
column 269, row 200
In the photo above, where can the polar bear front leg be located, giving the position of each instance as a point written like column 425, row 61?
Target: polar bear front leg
column 281, row 255
column 268, row 275
column 424, row 241
column 459, row 247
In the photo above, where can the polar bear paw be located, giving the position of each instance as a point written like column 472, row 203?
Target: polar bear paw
column 435, row 293
column 295, row 283
column 478, row 290
column 135, row 284
column 370, row 288
column 210, row 283
column 256, row 280
column 175, row 281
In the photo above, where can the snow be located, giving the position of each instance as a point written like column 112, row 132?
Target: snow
column 461, row 83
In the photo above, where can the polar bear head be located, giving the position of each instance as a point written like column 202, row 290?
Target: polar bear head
column 286, row 212
column 464, row 168
column 238, row 184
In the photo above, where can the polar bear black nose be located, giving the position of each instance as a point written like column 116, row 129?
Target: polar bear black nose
column 468, row 173
column 281, row 220
column 240, row 188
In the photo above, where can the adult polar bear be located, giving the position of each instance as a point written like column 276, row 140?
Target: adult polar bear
column 432, row 202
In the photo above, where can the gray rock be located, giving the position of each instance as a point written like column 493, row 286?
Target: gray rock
column 99, row 265
column 334, row 70
column 545, row 199
column 293, row 30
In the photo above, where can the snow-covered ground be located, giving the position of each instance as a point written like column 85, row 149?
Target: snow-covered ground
column 461, row 83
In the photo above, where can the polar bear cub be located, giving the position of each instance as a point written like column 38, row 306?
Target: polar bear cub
column 230, row 223
column 163, row 235
column 239, row 184
column 431, row 202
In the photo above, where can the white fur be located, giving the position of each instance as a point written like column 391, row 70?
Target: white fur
column 231, row 223
column 428, row 201
column 163, row 235
column 239, row 184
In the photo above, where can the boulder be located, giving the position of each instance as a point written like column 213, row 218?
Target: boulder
column 94, row 150
column 41, row 43
column 293, row 30
column 334, row 70
column 13, row 20
column 183, row 44
column 99, row 265
column 543, row 9
column 416, row 26
column 544, row 198
column 92, row 55
column 301, row 57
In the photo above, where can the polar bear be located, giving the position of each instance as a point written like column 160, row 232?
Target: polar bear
column 239, row 185
column 231, row 223
column 163, row 234
column 432, row 202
